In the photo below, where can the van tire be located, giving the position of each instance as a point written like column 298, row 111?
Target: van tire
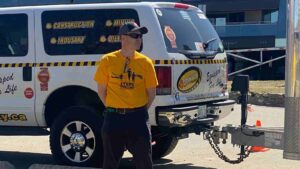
column 81, row 143
column 164, row 146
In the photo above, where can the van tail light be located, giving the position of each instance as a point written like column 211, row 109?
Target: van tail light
column 181, row 6
column 164, row 77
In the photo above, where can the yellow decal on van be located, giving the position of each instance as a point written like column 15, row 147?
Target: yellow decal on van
column 63, row 40
column 53, row 40
column 108, row 23
column 114, row 39
column 12, row 117
column 48, row 26
column 95, row 63
column 120, row 22
column 71, row 25
column 189, row 80
column 102, row 39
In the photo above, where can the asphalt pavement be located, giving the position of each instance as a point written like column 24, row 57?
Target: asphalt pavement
column 190, row 153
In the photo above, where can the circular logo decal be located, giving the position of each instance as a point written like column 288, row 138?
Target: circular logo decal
column 48, row 26
column 189, row 80
column 102, row 39
column 53, row 40
column 28, row 93
column 171, row 36
column 159, row 13
column 109, row 23
column 44, row 75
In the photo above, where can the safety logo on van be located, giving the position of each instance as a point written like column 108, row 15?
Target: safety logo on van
column 189, row 79
column 28, row 93
column 171, row 36
column 44, row 77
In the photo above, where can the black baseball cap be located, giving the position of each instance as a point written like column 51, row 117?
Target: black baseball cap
column 132, row 27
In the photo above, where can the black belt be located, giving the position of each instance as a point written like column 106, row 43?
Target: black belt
column 124, row 110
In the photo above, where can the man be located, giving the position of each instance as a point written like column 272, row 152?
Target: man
column 126, row 86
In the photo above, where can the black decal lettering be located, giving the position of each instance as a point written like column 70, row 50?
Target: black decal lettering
column 7, row 89
column 15, row 88
column 11, row 89
column 11, row 77
column 5, row 79
column 127, row 85
column 208, row 78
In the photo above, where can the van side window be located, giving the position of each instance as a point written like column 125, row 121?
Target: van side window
column 13, row 35
column 81, row 32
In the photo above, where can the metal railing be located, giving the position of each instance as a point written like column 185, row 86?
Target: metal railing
column 260, row 62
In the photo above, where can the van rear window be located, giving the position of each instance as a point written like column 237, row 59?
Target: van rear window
column 81, row 32
column 187, row 30
column 13, row 35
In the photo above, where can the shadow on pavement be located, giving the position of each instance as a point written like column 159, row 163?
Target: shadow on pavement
column 22, row 160
column 23, row 131
column 127, row 163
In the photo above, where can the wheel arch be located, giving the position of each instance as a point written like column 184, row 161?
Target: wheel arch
column 68, row 96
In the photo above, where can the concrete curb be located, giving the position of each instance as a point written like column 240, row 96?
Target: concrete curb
column 265, row 99
column 6, row 165
column 45, row 166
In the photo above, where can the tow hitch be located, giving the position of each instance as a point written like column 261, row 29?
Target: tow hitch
column 241, row 84
column 214, row 137
column 287, row 138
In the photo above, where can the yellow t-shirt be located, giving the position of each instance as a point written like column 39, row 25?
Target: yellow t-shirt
column 126, row 79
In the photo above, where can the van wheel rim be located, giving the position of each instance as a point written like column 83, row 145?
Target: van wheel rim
column 77, row 141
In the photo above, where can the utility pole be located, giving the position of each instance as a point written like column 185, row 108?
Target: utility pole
column 292, row 84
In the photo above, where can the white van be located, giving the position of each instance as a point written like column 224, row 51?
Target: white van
column 49, row 54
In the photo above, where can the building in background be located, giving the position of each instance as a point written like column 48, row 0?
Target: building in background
column 246, row 24
column 253, row 31
column 253, row 34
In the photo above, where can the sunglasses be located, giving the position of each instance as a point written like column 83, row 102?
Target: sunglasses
column 135, row 36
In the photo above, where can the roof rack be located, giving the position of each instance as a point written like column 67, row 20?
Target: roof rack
column 9, row 3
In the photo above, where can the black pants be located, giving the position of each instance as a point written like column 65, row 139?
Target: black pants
column 131, row 131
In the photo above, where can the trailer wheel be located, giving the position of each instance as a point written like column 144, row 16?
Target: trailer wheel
column 75, row 137
column 165, row 143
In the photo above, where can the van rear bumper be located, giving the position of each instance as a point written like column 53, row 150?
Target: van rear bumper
column 181, row 116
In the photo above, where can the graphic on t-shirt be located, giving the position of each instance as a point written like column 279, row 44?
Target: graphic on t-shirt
column 127, row 77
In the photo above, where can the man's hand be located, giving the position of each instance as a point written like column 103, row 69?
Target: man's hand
column 102, row 93
column 151, row 93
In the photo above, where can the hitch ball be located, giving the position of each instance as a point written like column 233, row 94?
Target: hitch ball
column 224, row 136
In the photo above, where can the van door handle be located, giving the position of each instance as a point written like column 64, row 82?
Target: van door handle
column 27, row 74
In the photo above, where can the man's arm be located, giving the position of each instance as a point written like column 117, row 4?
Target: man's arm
column 151, row 93
column 102, row 93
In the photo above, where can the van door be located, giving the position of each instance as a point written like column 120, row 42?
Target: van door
column 17, row 68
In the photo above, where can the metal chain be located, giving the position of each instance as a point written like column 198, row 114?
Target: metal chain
column 220, row 154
